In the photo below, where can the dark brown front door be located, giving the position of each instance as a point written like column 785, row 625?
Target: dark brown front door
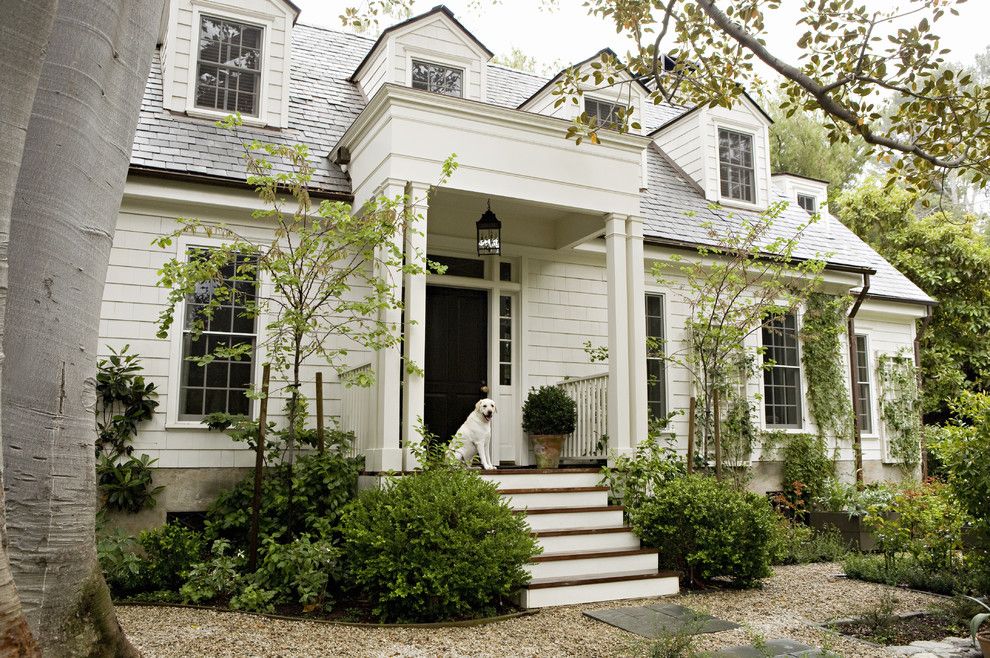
column 456, row 356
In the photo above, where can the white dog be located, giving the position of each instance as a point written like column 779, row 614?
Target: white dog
column 476, row 434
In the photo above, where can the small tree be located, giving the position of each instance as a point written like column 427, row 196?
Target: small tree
column 321, row 279
column 742, row 277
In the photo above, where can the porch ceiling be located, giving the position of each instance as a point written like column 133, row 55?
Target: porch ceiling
column 454, row 212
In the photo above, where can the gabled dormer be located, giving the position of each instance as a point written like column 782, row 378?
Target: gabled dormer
column 600, row 103
column 225, row 56
column 811, row 194
column 433, row 52
column 726, row 151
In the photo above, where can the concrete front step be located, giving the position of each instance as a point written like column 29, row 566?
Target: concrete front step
column 546, row 497
column 587, row 539
column 634, row 585
column 562, row 518
column 533, row 478
column 602, row 563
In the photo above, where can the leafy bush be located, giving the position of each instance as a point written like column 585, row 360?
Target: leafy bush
column 549, row 410
column 838, row 496
column 807, row 468
column 321, row 486
column 708, row 529
column 433, row 546
column 297, row 572
column 909, row 572
column 122, row 566
column 126, row 484
column 925, row 522
column 170, row 551
column 254, row 598
column 217, row 577
column 633, row 480
column 792, row 542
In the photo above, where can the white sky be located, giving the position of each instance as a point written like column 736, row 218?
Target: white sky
column 570, row 35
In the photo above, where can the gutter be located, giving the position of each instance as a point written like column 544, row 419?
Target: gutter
column 854, row 379
column 223, row 181
column 922, row 330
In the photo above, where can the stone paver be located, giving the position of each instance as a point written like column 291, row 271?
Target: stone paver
column 772, row 648
column 654, row 620
column 950, row 647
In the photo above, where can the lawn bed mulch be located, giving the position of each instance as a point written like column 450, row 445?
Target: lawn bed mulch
column 794, row 603
column 902, row 630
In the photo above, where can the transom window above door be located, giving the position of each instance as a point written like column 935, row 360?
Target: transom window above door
column 736, row 170
column 437, row 78
column 228, row 74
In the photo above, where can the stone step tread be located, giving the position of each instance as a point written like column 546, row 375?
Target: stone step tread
column 566, row 532
column 537, row 471
column 538, row 490
column 544, row 583
column 568, row 510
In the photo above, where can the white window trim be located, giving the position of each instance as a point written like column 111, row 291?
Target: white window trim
column 874, row 415
column 802, row 385
column 432, row 57
column 667, row 401
column 255, row 19
column 755, row 134
column 172, row 422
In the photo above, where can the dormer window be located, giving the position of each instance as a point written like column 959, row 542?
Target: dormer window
column 736, row 169
column 228, row 77
column 437, row 78
column 603, row 112
column 808, row 202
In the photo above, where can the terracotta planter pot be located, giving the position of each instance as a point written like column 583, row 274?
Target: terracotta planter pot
column 546, row 448
column 984, row 640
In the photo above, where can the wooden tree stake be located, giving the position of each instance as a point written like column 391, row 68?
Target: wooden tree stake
column 259, row 465
column 320, row 444
column 718, row 433
column 692, row 411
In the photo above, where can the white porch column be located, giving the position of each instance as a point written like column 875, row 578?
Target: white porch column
column 638, row 411
column 387, row 455
column 618, row 335
column 414, row 394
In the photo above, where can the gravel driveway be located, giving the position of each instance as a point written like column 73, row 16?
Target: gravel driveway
column 789, row 603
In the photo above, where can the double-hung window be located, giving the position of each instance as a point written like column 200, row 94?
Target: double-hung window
column 228, row 73
column 782, row 372
column 863, row 377
column 656, row 378
column 221, row 385
column 437, row 78
column 736, row 170
column 603, row 112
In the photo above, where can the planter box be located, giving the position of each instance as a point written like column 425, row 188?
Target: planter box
column 852, row 529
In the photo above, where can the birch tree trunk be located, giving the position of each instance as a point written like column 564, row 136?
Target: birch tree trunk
column 25, row 26
column 65, row 205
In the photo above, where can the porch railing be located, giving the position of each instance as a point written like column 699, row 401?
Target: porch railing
column 590, row 394
column 358, row 409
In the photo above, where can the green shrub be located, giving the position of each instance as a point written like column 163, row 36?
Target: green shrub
column 297, row 572
column 122, row 566
column 549, row 410
column 170, row 551
column 322, row 485
column 792, row 542
column 806, row 461
column 708, row 529
column 632, row 480
column 434, row 546
column 838, row 496
column 924, row 521
column 909, row 572
column 216, row 577
column 125, row 484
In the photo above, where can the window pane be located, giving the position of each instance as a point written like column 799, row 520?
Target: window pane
column 437, row 78
column 469, row 267
column 656, row 382
column 782, row 380
column 807, row 202
column 505, row 340
column 504, row 271
column 603, row 112
column 229, row 66
column 865, row 394
column 736, row 170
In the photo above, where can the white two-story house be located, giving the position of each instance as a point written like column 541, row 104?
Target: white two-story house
column 581, row 228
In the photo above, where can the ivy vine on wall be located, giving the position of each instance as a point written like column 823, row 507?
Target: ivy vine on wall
column 899, row 399
column 821, row 338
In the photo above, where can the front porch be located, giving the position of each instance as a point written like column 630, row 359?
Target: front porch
column 570, row 270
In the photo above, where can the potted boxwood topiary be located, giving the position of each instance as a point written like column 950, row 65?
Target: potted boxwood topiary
column 548, row 417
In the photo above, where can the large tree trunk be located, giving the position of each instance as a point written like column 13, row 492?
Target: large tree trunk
column 25, row 26
column 65, row 206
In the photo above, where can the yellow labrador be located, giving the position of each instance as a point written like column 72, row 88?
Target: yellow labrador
column 476, row 434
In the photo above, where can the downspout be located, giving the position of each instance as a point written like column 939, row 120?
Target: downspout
column 925, row 321
column 854, row 379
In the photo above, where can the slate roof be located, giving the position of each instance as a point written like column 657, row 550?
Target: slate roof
column 323, row 103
